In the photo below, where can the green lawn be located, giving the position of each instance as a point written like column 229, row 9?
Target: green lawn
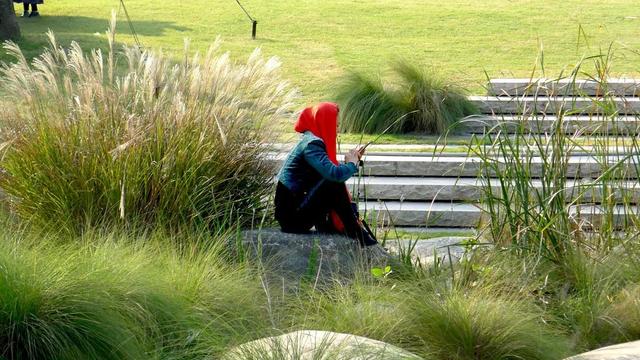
column 320, row 40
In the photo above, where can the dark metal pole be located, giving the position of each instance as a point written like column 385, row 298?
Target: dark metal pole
column 254, row 28
column 254, row 23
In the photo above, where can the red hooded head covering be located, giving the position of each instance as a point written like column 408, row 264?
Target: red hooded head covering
column 322, row 121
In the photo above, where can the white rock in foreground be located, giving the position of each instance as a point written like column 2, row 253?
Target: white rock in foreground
column 625, row 351
column 318, row 345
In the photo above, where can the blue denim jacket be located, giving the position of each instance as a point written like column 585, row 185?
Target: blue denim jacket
column 308, row 165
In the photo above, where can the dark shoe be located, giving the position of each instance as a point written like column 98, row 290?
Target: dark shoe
column 25, row 14
column 34, row 14
column 367, row 239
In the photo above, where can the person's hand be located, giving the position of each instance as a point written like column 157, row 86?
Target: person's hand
column 353, row 156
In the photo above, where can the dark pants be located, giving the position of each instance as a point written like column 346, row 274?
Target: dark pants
column 34, row 6
column 295, row 216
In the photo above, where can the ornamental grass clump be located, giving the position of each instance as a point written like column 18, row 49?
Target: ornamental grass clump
column 478, row 325
column 111, row 297
column 423, row 102
column 133, row 137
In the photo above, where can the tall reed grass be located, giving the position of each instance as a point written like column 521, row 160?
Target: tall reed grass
column 424, row 102
column 545, row 192
column 133, row 137
column 566, row 211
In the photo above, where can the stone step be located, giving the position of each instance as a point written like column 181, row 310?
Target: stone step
column 437, row 214
column 458, row 166
column 470, row 189
column 562, row 87
column 580, row 146
column 541, row 124
column 415, row 188
column 440, row 214
column 411, row 233
column 551, row 105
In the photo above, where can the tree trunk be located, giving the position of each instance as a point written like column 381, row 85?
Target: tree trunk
column 9, row 29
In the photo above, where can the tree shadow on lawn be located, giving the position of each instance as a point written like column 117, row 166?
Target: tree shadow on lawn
column 88, row 25
column 87, row 31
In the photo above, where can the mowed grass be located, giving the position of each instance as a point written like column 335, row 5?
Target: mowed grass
column 319, row 41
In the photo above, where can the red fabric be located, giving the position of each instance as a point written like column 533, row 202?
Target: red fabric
column 322, row 121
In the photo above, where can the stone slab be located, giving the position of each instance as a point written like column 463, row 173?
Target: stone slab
column 457, row 166
column 562, row 87
column 440, row 214
column 472, row 189
column 625, row 351
column 437, row 214
column 547, row 124
column 550, row 105
column 319, row 345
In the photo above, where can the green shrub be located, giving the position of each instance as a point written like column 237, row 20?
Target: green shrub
column 163, row 143
column 423, row 102
column 109, row 299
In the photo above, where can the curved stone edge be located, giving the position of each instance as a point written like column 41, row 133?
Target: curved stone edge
column 624, row 351
column 312, row 344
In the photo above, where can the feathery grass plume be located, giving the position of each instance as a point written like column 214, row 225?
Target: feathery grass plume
column 112, row 297
column 371, row 105
column 158, row 143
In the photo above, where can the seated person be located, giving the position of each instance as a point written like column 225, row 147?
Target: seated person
column 311, row 188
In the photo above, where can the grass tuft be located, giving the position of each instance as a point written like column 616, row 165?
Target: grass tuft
column 110, row 299
column 423, row 102
column 458, row 325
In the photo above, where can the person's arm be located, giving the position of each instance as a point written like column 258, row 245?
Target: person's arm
column 316, row 155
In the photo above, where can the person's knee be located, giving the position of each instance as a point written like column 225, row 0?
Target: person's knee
column 294, row 229
column 294, row 226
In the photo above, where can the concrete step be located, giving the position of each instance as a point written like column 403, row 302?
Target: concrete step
column 459, row 166
column 579, row 146
column 471, row 190
column 403, row 213
column 411, row 233
column 542, row 124
column 440, row 214
column 415, row 188
column 562, row 87
column 552, row 105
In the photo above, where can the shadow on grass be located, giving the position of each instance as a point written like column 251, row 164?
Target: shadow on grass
column 87, row 31
column 89, row 25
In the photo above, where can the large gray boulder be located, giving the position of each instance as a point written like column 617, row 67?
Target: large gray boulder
column 317, row 257
column 318, row 345
column 625, row 351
